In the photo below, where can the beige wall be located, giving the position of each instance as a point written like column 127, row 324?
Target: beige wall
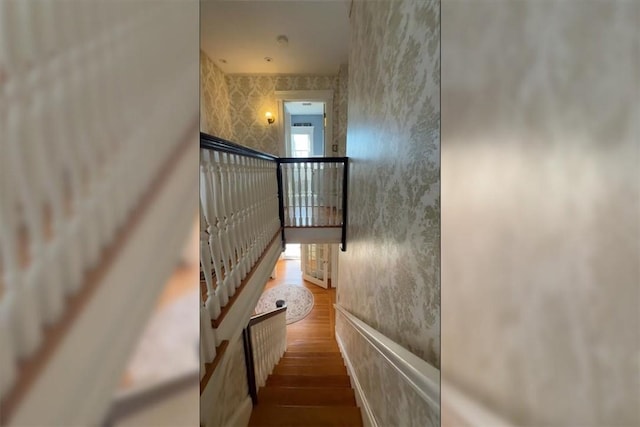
column 541, row 208
column 389, row 275
column 214, row 100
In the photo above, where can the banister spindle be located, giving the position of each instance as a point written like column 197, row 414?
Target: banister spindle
column 209, row 207
column 207, row 340
column 212, row 303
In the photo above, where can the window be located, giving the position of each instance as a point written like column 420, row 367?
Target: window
column 301, row 141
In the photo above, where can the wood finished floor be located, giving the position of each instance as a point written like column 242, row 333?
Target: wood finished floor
column 317, row 329
column 309, row 386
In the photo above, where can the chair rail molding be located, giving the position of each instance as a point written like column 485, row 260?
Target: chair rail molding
column 422, row 376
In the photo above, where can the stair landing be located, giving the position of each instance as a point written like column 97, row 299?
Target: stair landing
column 310, row 385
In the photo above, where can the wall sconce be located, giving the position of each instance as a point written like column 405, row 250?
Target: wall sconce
column 270, row 118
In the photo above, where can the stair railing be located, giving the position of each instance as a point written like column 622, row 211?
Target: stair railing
column 239, row 217
column 73, row 171
column 314, row 196
column 265, row 341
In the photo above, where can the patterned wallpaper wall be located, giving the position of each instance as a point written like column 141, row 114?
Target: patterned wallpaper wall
column 541, row 209
column 389, row 276
column 340, row 136
column 214, row 100
column 251, row 96
column 234, row 106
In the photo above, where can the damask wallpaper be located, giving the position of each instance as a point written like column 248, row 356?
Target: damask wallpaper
column 214, row 100
column 233, row 106
column 391, row 398
column 251, row 96
column 541, row 209
column 389, row 277
column 340, row 137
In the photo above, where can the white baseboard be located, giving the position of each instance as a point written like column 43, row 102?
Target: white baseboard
column 368, row 419
column 240, row 417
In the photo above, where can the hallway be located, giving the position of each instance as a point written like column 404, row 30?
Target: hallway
column 316, row 331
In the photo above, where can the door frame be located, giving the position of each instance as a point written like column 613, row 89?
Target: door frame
column 325, row 96
column 324, row 282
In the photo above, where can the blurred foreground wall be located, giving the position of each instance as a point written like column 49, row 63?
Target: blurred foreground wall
column 98, row 192
column 541, row 209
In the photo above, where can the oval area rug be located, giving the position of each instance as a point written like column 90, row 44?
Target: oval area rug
column 299, row 301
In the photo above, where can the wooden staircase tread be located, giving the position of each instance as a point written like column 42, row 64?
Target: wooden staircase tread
column 310, row 370
column 308, row 380
column 311, row 362
column 309, row 354
column 307, row 396
column 280, row 415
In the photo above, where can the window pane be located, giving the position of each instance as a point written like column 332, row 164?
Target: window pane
column 301, row 142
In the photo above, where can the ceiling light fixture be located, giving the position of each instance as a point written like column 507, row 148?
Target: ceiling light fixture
column 224, row 61
column 282, row 40
column 268, row 58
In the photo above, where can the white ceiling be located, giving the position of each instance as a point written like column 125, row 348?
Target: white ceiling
column 244, row 33
column 299, row 107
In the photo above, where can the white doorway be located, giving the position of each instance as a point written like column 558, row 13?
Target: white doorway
column 305, row 128
column 291, row 251
column 310, row 115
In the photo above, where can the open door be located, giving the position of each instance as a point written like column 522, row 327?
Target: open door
column 315, row 264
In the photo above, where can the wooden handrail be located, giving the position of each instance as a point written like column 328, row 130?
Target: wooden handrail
column 258, row 318
column 248, row 348
column 312, row 159
column 216, row 143
column 210, row 367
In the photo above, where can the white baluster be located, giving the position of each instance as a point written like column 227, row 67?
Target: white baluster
column 339, row 176
column 292, row 194
column 322, row 203
column 209, row 207
column 223, row 217
column 298, row 194
column 203, row 368
column 212, row 304
column 207, row 340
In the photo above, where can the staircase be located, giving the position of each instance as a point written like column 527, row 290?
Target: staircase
column 307, row 388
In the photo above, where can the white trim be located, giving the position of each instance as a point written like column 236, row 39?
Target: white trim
column 468, row 409
column 313, row 235
column 422, row 376
column 368, row 419
column 241, row 415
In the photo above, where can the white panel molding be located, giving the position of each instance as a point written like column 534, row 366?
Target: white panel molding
column 468, row 409
column 313, row 235
column 422, row 376
column 368, row 419
column 241, row 416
